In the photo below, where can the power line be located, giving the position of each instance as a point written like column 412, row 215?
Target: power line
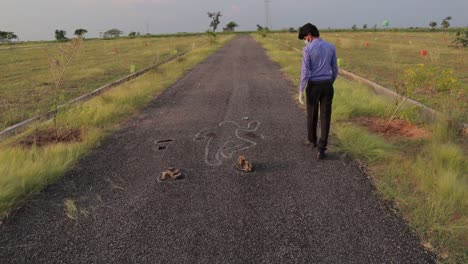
column 147, row 26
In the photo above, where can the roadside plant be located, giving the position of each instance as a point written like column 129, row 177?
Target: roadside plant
column 461, row 39
column 404, row 91
column 59, row 63
column 213, row 38
column 441, row 85
column 263, row 31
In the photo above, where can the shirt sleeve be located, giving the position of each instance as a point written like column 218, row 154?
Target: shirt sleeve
column 305, row 69
column 334, row 66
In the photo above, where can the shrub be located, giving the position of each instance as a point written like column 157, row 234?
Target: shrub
column 461, row 39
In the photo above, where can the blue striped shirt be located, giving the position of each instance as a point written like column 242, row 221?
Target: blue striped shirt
column 318, row 62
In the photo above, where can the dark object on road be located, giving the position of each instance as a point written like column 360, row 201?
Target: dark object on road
column 171, row 173
column 243, row 164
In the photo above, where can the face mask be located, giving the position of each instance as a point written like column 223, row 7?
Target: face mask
column 306, row 41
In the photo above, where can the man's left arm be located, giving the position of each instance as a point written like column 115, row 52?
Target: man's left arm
column 334, row 65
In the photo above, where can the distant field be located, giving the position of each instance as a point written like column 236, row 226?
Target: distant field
column 26, row 81
column 388, row 54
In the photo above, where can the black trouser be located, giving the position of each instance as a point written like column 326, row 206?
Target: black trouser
column 319, row 94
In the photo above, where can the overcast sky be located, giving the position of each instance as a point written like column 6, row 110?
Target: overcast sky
column 37, row 19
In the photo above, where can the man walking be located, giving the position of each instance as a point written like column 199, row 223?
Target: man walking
column 319, row 72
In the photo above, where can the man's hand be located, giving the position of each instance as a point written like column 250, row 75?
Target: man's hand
column 301, row 98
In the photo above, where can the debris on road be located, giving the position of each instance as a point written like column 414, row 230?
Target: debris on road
column 171, row 173
column 243, row 164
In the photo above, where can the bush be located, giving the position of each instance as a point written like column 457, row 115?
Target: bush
column 441, row 86
column 430, row 79
column 461, row 39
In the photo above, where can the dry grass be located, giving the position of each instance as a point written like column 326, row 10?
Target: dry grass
column 389, row 54
column 26, row 83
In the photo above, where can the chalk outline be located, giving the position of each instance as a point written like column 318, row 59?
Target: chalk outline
column 202, row 136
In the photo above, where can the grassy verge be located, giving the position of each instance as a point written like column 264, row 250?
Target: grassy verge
column 426, row 179
column 27, row 85
column 25, row 171
column 383, row 57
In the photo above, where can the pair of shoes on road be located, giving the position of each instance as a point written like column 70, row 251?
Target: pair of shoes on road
column 243, row 164
column 308, row 143
column 171, row 173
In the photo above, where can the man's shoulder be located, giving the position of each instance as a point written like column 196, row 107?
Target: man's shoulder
column 328, row 44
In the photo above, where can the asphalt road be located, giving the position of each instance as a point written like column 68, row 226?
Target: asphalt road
column 292, row 209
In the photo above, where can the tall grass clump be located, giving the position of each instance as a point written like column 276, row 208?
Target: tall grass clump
column 361, row 144
column 24, row 171
column 431, row 189
column 352, row 99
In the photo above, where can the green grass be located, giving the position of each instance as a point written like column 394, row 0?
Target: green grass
column 389, row 53
column 26, row 87
column 426, row 179
column 25, row 171
column 361, row 144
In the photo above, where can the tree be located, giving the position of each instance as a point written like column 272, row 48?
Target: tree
column 113, row 33
column 6, row 36
column 11, row 35
column 133, row 34
column 259, row 28
column 60, row 35
column 292, row 30
column 354, row 27
column 214, row 19
column 433, row 25
column 80, row 32
column 364, row 26
column 445, row 23
column 231, row 26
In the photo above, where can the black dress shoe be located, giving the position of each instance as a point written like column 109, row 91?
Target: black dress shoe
column 308, row 143
column 321, row 155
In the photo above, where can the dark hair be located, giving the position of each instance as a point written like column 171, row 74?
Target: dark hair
column 308, row 29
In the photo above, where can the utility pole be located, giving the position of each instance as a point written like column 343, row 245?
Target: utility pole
column 147, row 26
column 267, row 13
